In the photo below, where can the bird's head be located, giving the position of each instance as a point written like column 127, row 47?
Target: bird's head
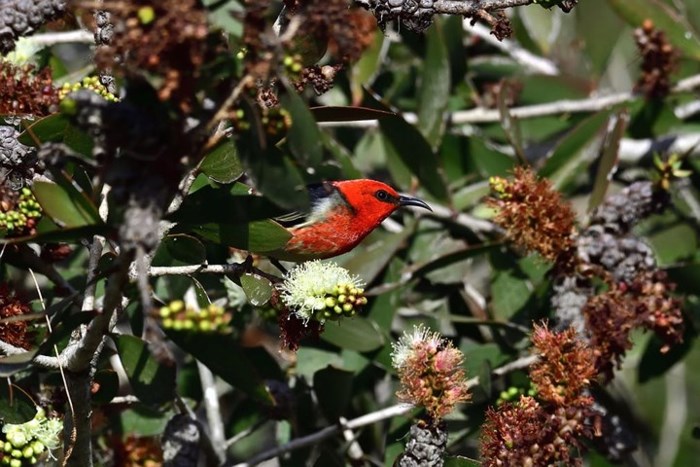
column 374, row 201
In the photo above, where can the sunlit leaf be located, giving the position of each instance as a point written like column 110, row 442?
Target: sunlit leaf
column 68, row 208
column 222, row 163
column 358, row 333
column 257, row 289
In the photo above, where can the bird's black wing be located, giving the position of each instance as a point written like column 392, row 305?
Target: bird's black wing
column 317, row 192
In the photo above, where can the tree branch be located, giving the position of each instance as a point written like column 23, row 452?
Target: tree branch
column 534, row 63
column 468, row 8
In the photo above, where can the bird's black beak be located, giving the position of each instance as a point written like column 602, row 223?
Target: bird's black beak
column 409, row 201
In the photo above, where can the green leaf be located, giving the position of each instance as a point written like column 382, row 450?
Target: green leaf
column 459, row 461
column 16, row 406
column 68, row 208
column 416, row 153
column 310, row 360
column 510, row 293
column 222, row 164
column 47, row 129
column 434, row 89
column 304, row 137
column 686, row 278
column 152, row 382
column 674, row 25
column 241, row 367
column 333, row 388
column 359, row 333
column 179, row 249
column 379, row 249
column 257, row 289
column 655, row 363
column 451, row 258
column 13, row 363
column 276, row 175
column 366, row 69
column 570, row 145
column 225, row 205
column 259, row 236
column 608, row 161
column 107, row 383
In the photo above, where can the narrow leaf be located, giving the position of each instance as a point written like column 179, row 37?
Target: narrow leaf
column 435, row 87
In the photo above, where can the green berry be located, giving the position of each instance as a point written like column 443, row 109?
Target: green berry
column 330, row 302
column 16, row 463
column 17, row 438
column 164, row 312
column 38, row 447
column 28, row 452
column 7, row 447
column 347, row 307
column 16, row 453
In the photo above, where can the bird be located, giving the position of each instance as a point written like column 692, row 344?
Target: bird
column 341, row 215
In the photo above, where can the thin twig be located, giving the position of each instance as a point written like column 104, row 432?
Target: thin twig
column 370, row 418
column 190, row 269
column 62, row 37
column 532, row 62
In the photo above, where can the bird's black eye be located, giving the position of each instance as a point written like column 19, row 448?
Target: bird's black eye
column 382, row 195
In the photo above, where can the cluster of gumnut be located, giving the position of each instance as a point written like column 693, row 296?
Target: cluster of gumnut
column 22, row 217
column 89, row 82
column 513, row 393
column 26, row 442
column 343, row 301
column 179, row 317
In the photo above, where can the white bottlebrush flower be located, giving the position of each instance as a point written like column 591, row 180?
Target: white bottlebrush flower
column 318, row 290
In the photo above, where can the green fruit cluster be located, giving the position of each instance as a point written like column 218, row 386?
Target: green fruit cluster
column 293, row 65
column 23, row 217
column 345, row 300
column 26, row 442
column 89, row 82
column 276, row 121
column 178, row 317
column 513, row 393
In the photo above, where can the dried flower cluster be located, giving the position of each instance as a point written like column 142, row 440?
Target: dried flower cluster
column 430, row 371
column 526, row 433
column 293, row 329
column 138, row 451
column 24, row 91
column 635, row 294
column 659, row 61
column 534, row 215
column 166, row 38
column 14, row 331
column 565, row 367
column 612, row 315
column 546, row 430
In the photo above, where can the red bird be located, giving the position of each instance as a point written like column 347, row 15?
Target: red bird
column 342, row 214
